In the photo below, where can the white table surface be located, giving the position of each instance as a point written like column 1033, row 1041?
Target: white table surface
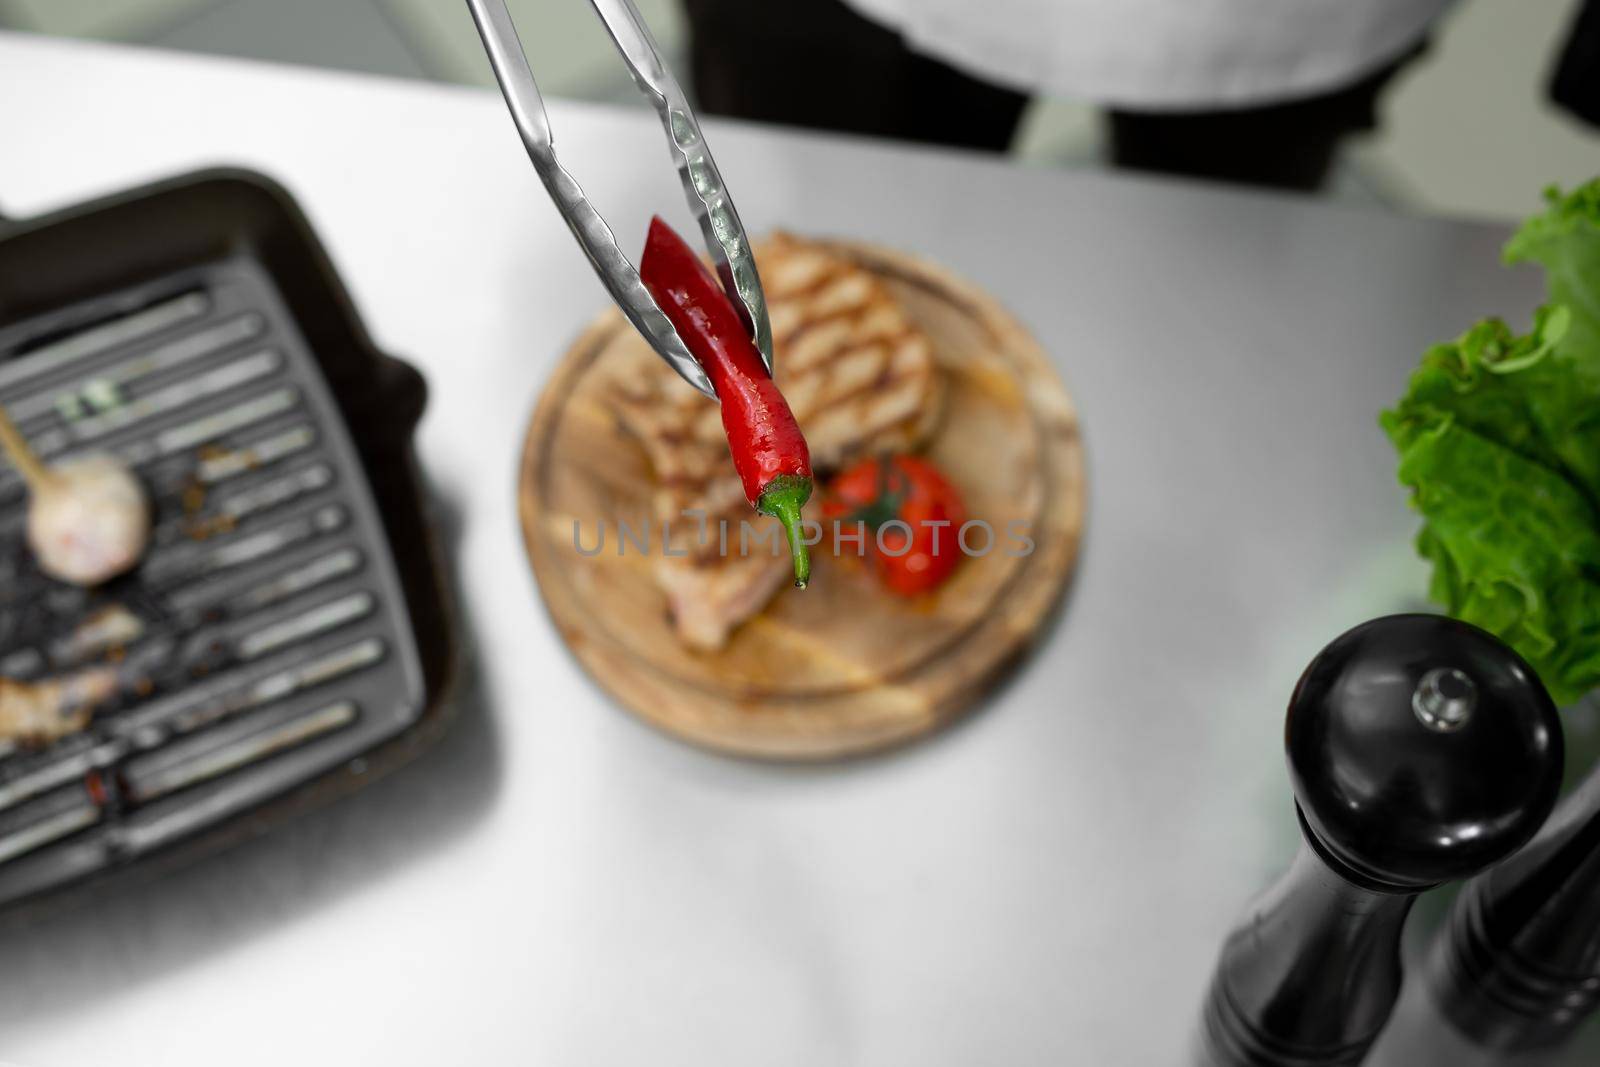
column 557, row 884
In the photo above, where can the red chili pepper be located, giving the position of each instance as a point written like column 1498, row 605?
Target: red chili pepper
column 915, row 492
column 769, row 451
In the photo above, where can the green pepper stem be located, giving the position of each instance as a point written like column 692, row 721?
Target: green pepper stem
column 782, row 498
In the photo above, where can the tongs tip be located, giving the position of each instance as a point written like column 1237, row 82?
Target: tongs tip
column 724, row 234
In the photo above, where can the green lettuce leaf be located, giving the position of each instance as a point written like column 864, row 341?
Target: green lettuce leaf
column 1565, row 241
column 1499, row 442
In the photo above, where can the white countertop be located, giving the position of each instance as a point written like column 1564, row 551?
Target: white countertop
column 558, row 884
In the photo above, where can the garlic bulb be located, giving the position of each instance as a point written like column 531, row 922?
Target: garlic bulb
column 88, row 518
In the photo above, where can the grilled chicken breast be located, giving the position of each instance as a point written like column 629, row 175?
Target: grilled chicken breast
column 861, row 379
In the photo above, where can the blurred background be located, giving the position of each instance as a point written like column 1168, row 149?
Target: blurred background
column 1467, row 129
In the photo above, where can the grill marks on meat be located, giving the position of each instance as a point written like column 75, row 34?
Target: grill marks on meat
column 858, row 374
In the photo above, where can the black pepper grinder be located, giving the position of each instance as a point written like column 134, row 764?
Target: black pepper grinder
column 1421, row 750
column 1516, row 967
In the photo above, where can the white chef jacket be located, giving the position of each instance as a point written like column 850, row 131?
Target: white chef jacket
column 1162, row 54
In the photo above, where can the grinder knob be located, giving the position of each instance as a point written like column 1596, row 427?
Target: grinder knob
column 1421, row 750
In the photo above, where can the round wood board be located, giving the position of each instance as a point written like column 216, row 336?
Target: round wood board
column 842, row 667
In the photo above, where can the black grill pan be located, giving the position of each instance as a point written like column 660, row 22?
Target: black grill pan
column 288, row 635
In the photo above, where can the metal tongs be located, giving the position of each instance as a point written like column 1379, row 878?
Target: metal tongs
column 702, row 184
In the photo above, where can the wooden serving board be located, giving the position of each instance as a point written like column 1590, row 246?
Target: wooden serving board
column 842, row 667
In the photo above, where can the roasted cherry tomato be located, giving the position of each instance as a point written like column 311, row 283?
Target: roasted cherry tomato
column 912, row 516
